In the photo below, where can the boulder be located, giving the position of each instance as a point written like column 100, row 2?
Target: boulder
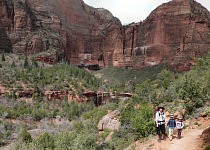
column 198, row 112
column 110, row 122
column 206, row 136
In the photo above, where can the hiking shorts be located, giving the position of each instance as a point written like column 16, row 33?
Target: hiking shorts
column 161, row 128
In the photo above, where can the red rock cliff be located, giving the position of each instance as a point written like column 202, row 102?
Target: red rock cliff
column 68, row 28
column 175, row 33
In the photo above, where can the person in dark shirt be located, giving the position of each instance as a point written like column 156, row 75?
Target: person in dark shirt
column 171, row 125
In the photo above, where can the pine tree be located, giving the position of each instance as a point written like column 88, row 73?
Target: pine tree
column 3, row 57
column 13, row 64
column 34, row 63
column 25, row 136
column 25, row 62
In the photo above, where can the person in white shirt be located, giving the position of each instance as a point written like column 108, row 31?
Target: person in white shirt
column 179, row 125
column 160, row 123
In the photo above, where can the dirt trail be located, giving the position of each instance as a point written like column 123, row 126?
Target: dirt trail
column 190, row 138
column 189, row 141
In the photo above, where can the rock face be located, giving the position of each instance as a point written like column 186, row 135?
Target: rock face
column 110, row 122
column 68, row 29
column 175, row 33
column 206, row 136
column 28, row 31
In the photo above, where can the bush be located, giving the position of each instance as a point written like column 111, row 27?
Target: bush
column 120, row 140
column 142, row 121
column 207, row 110
column 138, row 119
column 65, row 140
column 13, row 64
column 45, row 141
column 85, row 140
column 25, row 136
column 3, row 57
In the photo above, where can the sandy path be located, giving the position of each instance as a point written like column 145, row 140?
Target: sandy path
column 189, row 141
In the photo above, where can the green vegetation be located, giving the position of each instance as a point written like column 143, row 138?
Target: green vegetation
column 207, row 148
column 207, row 110
column 126, row 79
column 45, row 141
column 6, row 130
column 45, row 109
column 3, row 57
column 38, row 76
column 25, row 136
column 188, row 90
column 83, row 133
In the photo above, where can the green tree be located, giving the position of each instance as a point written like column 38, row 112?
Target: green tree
column 25, row 136
column 34, row 63
column 45, row 142
column 3, row 57
column 25, row 65
column 142, row 121
column 65, row 140
column 164, row 78
column 13, row 64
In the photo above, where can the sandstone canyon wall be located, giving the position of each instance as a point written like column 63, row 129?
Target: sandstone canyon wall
column 69, row 29
column 28, row 31
column 174, row 33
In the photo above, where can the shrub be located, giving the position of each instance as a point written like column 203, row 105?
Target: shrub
column 142, row 121
column 207, row 110
column 3, row 57
column 120, row 140
column 45, row 141
column 25, row 65
column 85, row 140
column 138, row 119
column 13, row 64
column 25, row 136
column 65, row 140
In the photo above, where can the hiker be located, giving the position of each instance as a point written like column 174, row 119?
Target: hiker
column 160, row 123
column 171, row 125
column 179, row 126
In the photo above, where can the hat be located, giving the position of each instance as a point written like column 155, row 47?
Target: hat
column 161, row 107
